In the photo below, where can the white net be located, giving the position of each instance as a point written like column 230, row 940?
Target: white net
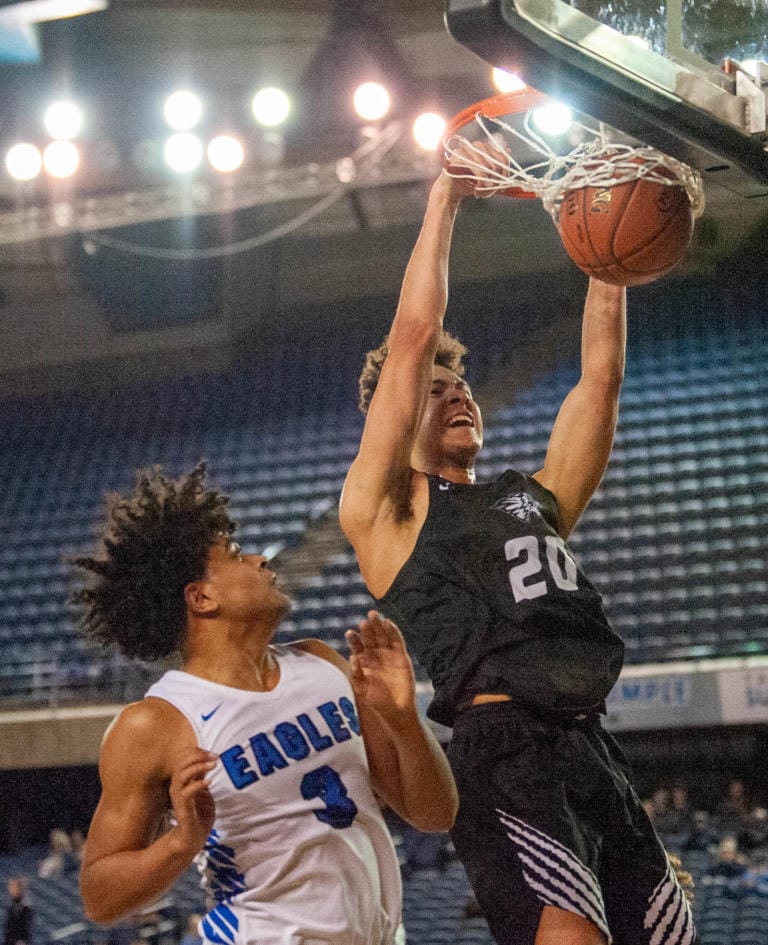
column 490, row 164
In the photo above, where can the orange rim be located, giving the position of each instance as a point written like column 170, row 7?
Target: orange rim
column 508, row 103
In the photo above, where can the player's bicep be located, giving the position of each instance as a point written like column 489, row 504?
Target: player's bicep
column 130, row 819
column 380, row 472
column 134, row 799
column 579, row 448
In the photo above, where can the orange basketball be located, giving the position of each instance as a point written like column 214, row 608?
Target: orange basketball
column 627, row 234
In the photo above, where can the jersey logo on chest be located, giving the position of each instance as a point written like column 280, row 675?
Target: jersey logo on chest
column 519, row 504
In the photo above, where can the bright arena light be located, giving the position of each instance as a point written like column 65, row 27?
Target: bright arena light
column 61, row 159
column 270, row 107
column 751, row 67
column 371, row 101
column 553, row 120
column 183, row 152
column 63, row 120
column 225, row 153
column 23, row 161
column 506, row 81
column 428, row 130
column 183, row 110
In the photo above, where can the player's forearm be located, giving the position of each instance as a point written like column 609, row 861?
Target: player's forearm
column 121, row 883
column 427, row 791
column 604, row 334
column 424, row 294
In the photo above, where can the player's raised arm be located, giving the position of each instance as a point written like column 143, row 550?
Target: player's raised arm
column 379, row 474
column 144, row 774
column 408, row 766
column 409, row 769
column 582, row 436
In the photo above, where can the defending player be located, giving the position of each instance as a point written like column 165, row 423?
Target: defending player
column 269, row 758
column 491, row 602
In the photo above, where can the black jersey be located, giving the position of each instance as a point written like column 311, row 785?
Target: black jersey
column 491, row 600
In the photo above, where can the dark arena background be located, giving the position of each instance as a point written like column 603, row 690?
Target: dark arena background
column 151, row 315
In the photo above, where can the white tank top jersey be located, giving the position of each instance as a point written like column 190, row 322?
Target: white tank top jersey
column 299, row 853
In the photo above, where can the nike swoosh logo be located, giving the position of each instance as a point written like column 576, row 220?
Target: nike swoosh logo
column 444, row 486
column 207, row 715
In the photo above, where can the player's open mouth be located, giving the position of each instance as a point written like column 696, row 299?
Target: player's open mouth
column 461, row 420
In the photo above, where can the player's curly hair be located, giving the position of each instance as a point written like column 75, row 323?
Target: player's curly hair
column 154, row 543
column 450, row 354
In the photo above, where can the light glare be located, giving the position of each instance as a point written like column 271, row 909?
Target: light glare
column 506, row 81
column 428, row 130
column 45, row 10
column 63, row 120
column 61, row 159
column 183, row 110
column 553, row 120
column 225, row 153
column 23, row 161
column 270, row 107
column 183, row 152
column 751, row 67
column 371, row 101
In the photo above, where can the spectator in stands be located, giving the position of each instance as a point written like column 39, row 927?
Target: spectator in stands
column 18, row 916
column 661, row 809
column 754, row 833
column 267, row 756
column 755, row 877
column 729, row 861
column 77, row 845
column 55, row 863
column 701, row 837
column 734, row 809
column 680, row 814
column 495, row 608
column 650, row 809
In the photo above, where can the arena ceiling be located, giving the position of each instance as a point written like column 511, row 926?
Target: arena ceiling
column 122, row 60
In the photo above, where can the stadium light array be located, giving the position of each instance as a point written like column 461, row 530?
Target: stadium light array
column 183, row 110
column 63, row 120
column 428, row 129
column 61, row 159
column 23, row 161
column 372, row 101
column 183, row 152
column 270, row 107
column 506, row 81
column 225, row 153
column 553, row 120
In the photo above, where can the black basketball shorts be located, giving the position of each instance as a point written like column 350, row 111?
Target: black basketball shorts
column 547, row 816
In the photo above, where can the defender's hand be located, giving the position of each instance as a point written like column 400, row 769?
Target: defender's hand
column 191, row 799
column 381, row 670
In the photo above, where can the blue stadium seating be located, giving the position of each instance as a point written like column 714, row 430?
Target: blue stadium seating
column 674, row 537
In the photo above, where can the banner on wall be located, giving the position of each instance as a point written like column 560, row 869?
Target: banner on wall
column 744, row 695
column 722, row 692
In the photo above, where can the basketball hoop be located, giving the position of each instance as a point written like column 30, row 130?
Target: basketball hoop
column 504, row 123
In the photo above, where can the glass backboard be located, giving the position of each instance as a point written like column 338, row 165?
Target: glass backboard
column 689, row 78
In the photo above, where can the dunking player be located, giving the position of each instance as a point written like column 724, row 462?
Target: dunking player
column 266, row 756
column 490, row 600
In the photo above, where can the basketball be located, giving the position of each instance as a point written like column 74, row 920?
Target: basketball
column 629, row 233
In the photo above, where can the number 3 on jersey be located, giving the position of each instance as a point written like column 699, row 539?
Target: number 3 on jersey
column 325, row 783
column 526, row 557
